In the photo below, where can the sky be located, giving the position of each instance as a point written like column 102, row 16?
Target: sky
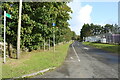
column 92, row 12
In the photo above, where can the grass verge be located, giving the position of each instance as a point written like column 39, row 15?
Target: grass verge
column 34, row 61
column 108, row 47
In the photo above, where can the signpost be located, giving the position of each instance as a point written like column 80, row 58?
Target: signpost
column 53, row 24
column 4, row 36
column 9, row 16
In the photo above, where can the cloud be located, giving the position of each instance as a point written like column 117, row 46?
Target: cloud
column 75, row 6
column 84, row 14
column 84, row 17
column 80, row 15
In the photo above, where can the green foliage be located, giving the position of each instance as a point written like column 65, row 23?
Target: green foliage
column 36, row 26
column 1, row 31
column 92, row 29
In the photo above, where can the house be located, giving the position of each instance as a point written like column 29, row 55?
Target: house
column 104, row 38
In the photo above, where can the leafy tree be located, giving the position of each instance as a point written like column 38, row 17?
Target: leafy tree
column 37, row 19
column 92, row 29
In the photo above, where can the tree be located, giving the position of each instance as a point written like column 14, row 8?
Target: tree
column 92, row 29
column 37, row 19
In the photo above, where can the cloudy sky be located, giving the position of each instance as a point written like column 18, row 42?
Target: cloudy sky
column 92, row 12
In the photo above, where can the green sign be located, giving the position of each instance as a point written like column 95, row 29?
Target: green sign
column 8, row 15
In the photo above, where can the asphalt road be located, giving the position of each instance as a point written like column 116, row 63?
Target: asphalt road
column 86, row 62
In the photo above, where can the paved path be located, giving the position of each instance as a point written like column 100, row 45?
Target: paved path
column 86, row 62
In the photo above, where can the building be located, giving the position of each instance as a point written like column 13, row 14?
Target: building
column 104, row 38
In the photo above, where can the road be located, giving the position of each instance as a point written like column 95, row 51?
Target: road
column 86, row 62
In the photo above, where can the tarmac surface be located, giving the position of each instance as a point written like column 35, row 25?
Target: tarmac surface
column 86, row 62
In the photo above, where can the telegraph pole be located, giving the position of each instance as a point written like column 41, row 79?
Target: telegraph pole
column 19, row 27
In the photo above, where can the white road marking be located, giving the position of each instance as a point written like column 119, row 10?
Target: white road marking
column 75, row 53
column 86, row 48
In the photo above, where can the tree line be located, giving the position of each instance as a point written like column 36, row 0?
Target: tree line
column 36, row 25
column 94, row 29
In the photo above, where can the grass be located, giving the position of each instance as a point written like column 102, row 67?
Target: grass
column 108, row 47
column 34, row 61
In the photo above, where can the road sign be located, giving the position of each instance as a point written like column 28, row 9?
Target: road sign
column 53, row 24
column 8, row 15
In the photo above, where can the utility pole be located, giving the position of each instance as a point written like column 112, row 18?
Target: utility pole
column 4, row 36
column 19, row 27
